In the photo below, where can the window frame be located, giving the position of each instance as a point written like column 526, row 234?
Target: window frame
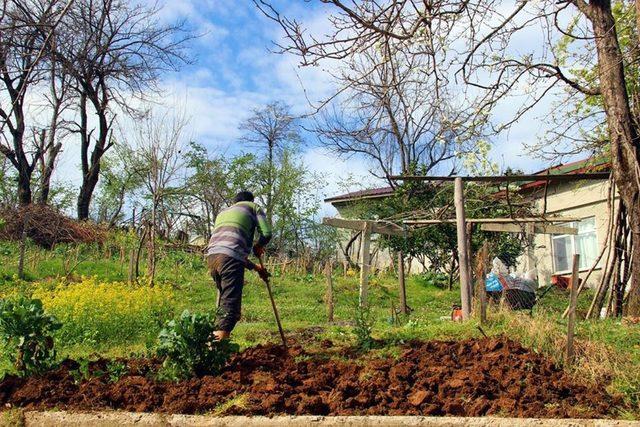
column 573, row 238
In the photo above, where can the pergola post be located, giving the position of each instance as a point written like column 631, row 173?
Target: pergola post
column 365, row 261
column 463, row 254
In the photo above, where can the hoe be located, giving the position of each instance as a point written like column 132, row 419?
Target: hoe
column 275, row 310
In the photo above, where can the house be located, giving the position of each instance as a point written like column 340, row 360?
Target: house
column 552, row 254
column 584, row 200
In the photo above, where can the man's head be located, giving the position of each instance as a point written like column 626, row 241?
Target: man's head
column 244, row 196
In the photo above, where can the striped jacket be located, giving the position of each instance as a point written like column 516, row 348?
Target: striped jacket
column 234, row 230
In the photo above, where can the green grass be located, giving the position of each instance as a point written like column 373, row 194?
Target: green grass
column 609, row 351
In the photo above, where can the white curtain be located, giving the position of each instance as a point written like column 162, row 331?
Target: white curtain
column 586, row 242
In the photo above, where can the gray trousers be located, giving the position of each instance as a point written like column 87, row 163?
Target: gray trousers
column 228, row 275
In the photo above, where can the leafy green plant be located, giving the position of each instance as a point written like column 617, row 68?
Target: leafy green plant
column 116, row 370
column 188, row 347
column 363, row 327
column 26, row 334
column 433, row 278
column 82, row 373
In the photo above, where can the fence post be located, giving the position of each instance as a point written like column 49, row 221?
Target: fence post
column 403, row 290
column 465, row 274
column 329, row 272
column 23, row 243
column 472, row 291
column 365, row 260
column 573, row 299
column 481, row 272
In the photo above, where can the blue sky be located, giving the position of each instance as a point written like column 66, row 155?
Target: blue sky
column 234, row 71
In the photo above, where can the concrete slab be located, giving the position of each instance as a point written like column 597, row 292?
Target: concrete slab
column 125, row 419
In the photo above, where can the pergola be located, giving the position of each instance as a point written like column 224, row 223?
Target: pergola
column 531, row 226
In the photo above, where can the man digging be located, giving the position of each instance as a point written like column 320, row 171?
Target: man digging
column 228, row 255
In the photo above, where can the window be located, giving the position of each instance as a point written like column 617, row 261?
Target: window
column 584, row 243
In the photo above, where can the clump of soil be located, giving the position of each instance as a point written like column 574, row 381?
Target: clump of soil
column 491, row 376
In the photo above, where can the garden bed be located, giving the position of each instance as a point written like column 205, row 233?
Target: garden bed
column 479, row 377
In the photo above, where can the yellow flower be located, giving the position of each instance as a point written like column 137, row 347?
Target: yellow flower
column 96, row 310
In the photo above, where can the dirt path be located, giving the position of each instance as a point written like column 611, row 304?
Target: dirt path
column 126, row 419
column 463, row 378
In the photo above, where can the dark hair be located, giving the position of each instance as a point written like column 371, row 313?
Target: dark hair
column 244, row 196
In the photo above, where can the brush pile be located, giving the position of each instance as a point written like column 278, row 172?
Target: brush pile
column 47, row 227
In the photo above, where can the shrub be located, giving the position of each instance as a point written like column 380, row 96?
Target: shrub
column 432, row 278
column 188, row 347
column 93, row 311
column 25, row 332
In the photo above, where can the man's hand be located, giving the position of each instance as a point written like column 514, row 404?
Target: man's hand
column 258, row 250
column 262, row 272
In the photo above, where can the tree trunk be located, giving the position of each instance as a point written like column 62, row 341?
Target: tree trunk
column 20, row 161
column 270, row 183
column 152, row 242
column 623, row 134
column 24, row 186
column 47, row 172
column 91, row 166
column 86, row 193
column 50, row 150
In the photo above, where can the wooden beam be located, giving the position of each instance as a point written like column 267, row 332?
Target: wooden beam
column 463, row 253
column 491, row 220
column 357, row 224
column 401, row 281
column 573, row 298
column 553, row 229
column 469, row 232
column 350, row 224
column 537, row 228
column 509, row 178
column 365, row 260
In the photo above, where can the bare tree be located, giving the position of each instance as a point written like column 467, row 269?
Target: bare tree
column 388, row 113
column 272, row 128
column 159, row 147
column 482, row 35
column 114, row 50
column 27, row 27
column 50, row 141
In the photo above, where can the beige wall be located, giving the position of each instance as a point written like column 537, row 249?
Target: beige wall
column 578, row 200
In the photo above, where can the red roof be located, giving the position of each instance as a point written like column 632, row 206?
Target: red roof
column 598, row 164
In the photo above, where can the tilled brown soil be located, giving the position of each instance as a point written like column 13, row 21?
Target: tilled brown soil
column 493, row 376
